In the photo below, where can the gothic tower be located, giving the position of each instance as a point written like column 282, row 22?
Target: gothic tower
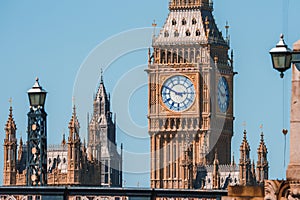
column 102, row 144
column 262, row 168
column 245, row 162
column 10, row 151
column 190, row 101
column 74, row 145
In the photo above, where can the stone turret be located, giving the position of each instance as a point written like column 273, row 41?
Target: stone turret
column 245, row 162
column 74, row 145
column 10, row 151
column 262, row 168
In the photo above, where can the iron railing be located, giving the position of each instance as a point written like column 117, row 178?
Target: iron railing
column 91, row 193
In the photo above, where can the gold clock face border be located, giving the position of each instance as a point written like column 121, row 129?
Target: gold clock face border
column 164, row 78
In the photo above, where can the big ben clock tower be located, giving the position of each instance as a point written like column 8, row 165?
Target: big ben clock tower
column 190, row 95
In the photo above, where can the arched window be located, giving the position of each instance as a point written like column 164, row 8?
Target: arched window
column 183, row 21
column 198, row 32
column 174, row 22
column 188, row 33
column 166, row 34
column 176, row 33
column 194, row 21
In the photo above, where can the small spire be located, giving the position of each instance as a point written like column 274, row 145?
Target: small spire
column 227, row 33
column 154, row 27
column 74, row 106
column 233, row 160
column 74, row 125
column 10, row 108
column 10, row 124
column 154, row 23
column 245, row 135
column 262, row 137
column 101, row 76
column 245, row 145
column 21, row 141
column 216, row 161
column 73, row 100
column 64, row 140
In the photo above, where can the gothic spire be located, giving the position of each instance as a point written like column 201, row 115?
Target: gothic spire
column 262, row 146
column 245, row 176
column 102, row 100
column 63, row 142
column 10, row 127
column 20, row 151
column 262, row 166
column 233, row 160
column 74, row 125
column 245, row 145
column 10, row 151
column 101, row 76
column 101, row 92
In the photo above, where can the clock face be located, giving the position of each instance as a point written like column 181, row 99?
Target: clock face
column 178, row 93
column 223, row 94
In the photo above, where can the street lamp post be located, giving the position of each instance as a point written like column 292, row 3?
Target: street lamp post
column 36, row 137
column 288, row 57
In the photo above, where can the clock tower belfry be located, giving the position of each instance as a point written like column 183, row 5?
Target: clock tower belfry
column 190, row 104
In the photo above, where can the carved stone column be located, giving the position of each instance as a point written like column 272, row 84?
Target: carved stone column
column 293, row 171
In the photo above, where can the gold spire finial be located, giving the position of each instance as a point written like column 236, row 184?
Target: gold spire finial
column 244, row 125
column 261, row 127
column 10, row 101
column 154, row 24
column 154, row 27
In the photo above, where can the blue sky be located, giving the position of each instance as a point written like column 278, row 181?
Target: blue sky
column 54, row 40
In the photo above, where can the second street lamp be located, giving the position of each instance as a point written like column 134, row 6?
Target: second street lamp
column 281, row 56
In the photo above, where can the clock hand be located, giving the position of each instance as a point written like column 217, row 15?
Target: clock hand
column 170, row 89
column 177, row 93
column 223, row 94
